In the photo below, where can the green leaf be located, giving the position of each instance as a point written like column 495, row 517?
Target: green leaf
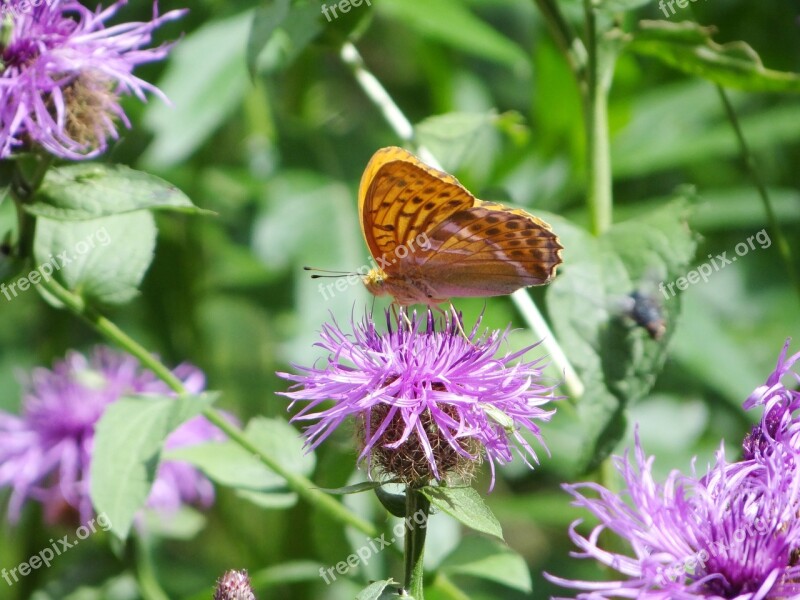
column 620, row 5
column 356, row 488
column 452, row 137
column 266, row 20
column 491, row 560
column 91, row 190
column 394, row 503
column 183, row 524
column 273, row 500
column 202, row 95
column 101, row 260
column 127, row 448
column 283, row 573
column 451, row 23
column 228, row 464
column 465, row 505
column 688, row 47
column 617, row 359
column 279, row 33
column 378, row 591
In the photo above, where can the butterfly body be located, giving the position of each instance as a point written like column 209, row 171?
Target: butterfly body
column 433, row 240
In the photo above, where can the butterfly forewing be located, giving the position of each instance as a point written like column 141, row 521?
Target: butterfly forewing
column 400, row 199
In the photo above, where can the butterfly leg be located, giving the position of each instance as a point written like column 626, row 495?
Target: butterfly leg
column 399, row 311
column 456, row 320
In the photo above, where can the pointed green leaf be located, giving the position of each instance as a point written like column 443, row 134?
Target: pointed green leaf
column 279, row 33
column 465, row 505
column 616, row 357
column 453, row 24
column 688, row 47
column 486, row 558
column 91, row 190
column 378, row 591
column 198, row 104
column 394, row 503
column 356, row 488
column 228, row 464
column 127, row 450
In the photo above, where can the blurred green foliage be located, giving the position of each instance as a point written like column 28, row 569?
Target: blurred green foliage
column 273, row 137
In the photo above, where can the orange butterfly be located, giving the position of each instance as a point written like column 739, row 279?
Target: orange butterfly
column 432, row 240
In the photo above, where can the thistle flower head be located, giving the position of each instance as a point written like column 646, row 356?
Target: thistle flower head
column 733, row 534
column 46, row 453
column 62, row 72
column 427, row 403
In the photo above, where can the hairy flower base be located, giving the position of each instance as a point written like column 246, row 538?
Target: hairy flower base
column 408, row 462
column 427, row 403
column 91, row 109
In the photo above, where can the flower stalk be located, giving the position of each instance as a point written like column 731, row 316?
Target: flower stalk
column 597, row 85
column 416, row 503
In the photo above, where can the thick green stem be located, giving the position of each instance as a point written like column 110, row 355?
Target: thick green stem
column 23, row 188
column 750, row 164
column 297, row 483
column 416, row 503
column 596, row 88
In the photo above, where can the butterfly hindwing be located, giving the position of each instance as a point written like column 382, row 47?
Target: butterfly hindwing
column 488, row 251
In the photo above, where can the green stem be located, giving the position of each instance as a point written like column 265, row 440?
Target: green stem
column 750, row 165
column 415, row 542
column 566, row 38
column 597, row 85
column 23, row 189
column 297, row 483
column 146, row 572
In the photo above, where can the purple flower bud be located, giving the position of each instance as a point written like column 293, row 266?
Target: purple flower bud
column 234, row 585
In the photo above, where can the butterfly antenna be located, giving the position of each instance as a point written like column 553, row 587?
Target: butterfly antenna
column 332, row 274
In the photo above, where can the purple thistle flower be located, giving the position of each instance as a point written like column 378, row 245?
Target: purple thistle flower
column 733, row 534
column 427, row 402
column 62, row 73
column 45, row 454
column 778, row 427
